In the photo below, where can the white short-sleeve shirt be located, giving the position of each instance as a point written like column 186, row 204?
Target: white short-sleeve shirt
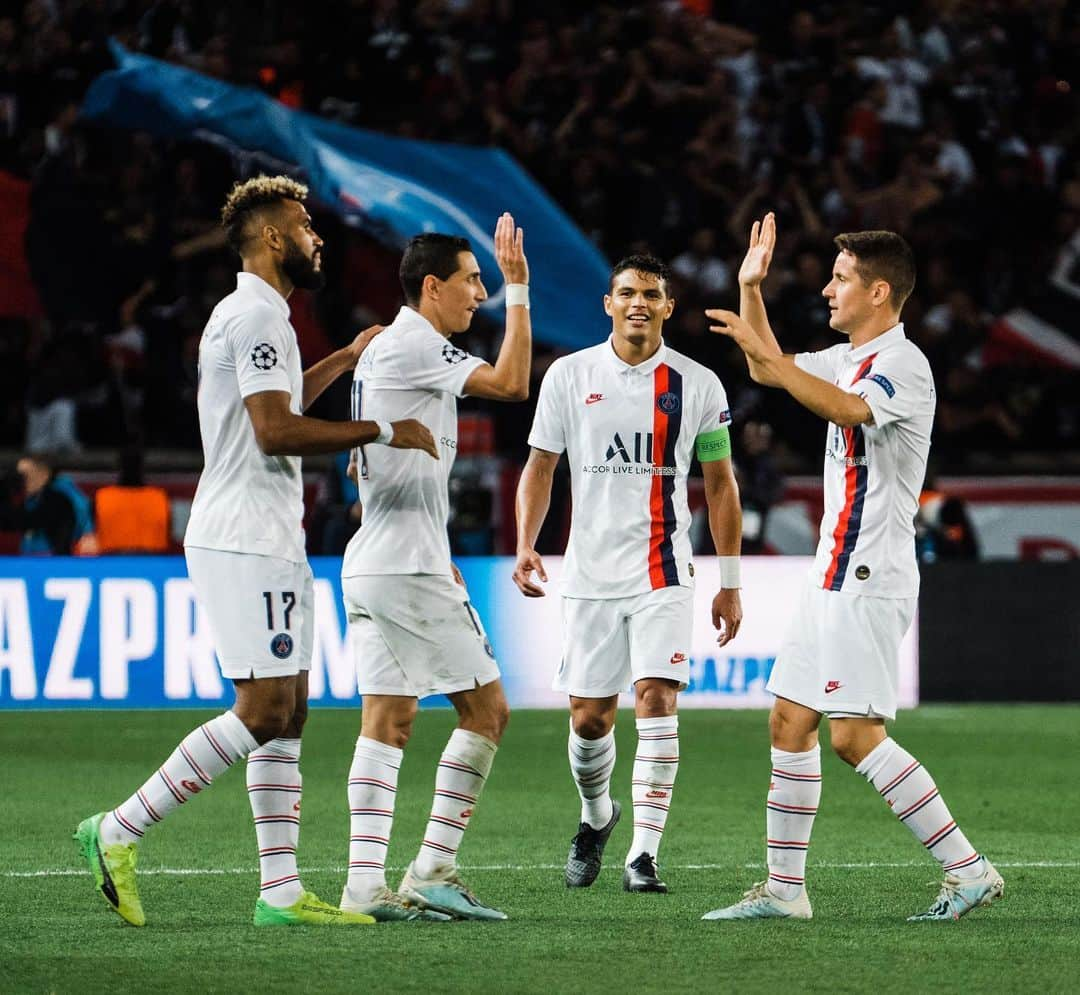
column 246, row 501
column 629, row 434
column 408, row 371
column 874, row 473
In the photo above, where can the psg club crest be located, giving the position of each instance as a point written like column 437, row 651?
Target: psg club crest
column 264, row 356
column 281, row 645
column 668, row 402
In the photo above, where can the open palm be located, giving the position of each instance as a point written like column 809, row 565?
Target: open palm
column 755, row 264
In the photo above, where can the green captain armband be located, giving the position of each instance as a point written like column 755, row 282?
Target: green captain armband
column 714, row 445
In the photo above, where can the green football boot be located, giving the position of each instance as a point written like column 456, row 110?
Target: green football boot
column 309, row 910
column 113, row 868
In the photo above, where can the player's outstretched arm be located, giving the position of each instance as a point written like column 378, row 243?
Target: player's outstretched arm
column 279, row 432
column 318, row 377
column 531, row 508
column 508, row 379
column 754, row 269
column 820, row 396
column 725, row 524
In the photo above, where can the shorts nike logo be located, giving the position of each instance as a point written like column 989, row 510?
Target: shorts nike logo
column 677, row 658
column 833, row 686
column 593, row 398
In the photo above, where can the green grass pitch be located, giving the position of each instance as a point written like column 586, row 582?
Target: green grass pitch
column 1008, row 773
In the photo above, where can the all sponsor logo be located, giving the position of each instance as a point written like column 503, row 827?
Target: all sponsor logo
column 593, row 398
column 656, row 794
column 191, row 787
column 833, row 686
column 862, row 572
column 677, row 658
column 630, row 454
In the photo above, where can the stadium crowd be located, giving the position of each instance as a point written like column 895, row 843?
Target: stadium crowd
column 657, row 125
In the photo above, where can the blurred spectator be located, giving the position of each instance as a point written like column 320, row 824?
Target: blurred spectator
column 943, row 529
column 953, row 123
column 53, row 515
column 701, row 266
column 761, row 483
column 131, row 516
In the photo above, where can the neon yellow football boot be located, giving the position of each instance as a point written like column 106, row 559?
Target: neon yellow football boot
column 113, row 868
column 310, row 910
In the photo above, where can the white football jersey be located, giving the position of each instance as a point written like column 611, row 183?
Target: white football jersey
column 874, row 473
column 247, row 502
column 629, row 434
column 408, row 371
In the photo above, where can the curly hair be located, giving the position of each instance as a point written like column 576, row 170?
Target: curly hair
column 248, row 196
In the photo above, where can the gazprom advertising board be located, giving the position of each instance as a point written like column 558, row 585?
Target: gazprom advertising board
column 128, row 632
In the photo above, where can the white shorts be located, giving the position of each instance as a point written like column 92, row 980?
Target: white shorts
column 261, row 611
column 415, row 635
column 610, row 643
column 840, row 655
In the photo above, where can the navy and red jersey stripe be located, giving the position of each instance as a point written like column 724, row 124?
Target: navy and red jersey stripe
column 856, row 478
column 663, row 571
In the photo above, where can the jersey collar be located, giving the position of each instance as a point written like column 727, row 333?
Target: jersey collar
column 642, row 369
column 260, row 288
column 879, row 342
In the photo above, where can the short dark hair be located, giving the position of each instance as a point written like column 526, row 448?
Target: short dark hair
column 641, row 263
column 882, row 255
column 429, row 253
column 248, row 197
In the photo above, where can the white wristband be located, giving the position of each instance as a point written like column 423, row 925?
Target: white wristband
column 517, row 294
column 386, row 434
column 729, row 572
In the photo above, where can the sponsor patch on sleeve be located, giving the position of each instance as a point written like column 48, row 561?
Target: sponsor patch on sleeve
column 883, row 382
column 714, row 445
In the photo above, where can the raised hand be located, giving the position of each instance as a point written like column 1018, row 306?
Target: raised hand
column 755, row 264
column 730, row 324
column 529, row 560
column 411, row 434
column 362, row 341
column 510, row 250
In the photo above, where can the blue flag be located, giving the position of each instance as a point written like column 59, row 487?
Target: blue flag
column 393, row 186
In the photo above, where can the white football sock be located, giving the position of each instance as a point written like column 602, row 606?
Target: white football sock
column 591, row 763
column 463, row 770
column 655, row 765
column 201, row 756
column 274, row 786
column 911, row 793
column 794, row 793
column 373, row 779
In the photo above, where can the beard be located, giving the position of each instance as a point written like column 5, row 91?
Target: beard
column 300, row 269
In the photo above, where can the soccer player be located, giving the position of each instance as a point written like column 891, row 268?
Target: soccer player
column 630, row 413
column 839, row 657
column 413, row 631
column 245, row 554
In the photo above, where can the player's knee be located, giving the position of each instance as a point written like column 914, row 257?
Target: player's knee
column 655, row 699
column 498, row 719
column 847, row 748
column 269, row 722
column 297, row 721
column 591, row 725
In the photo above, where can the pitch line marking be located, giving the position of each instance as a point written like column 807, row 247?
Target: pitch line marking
column 66, row 872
